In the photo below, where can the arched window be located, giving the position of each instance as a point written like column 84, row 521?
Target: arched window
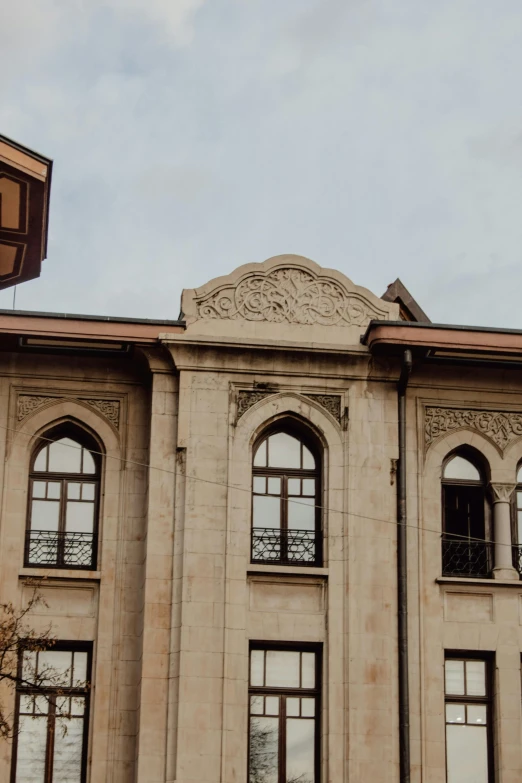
column 64, row 485
column 286, row 492
column 466, row 547
column 518, row 522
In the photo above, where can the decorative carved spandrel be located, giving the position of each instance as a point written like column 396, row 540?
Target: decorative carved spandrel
column 502, row 427
column 246, row 399
column 28, row 403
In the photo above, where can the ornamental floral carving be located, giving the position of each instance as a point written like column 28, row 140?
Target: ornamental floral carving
column 28, row 403
column 288, row 295
column 502, row 427
column 331, row 402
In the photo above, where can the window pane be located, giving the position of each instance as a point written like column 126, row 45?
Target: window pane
column 264, row 757
column 256, row 705
column 88, row 462
column 300, row 750
column 257, row 660
column 519, row 475
column 519, row 524
column 477, row 713
column 65, row 456
column 260, row 484
column 29, row 666
column 80, row 669
column 308, row 459
column 455, row 713
column 40, row 463
column 467, row 754
column 274, row 486
column 73, row 490
column 88, row 491
column 41, row 705
column 32, row 742
column 308, row 486
column 308, row 708
column 272, row 705
column 79, row 517
column 282, row 668
column 460, row 468
column 260, row 456
column 284, row 451
column 39, row 489
column 45, row 515
column 55, row 667
column 68, row 742
column 455, row 677
column 308, row 673
column 294, row 486
column 292, row 707
column 54, row 490
column 301, row 514
column 476, row 678
column 267, row 511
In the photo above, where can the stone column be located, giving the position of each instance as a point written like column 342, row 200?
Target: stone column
column 502, row 532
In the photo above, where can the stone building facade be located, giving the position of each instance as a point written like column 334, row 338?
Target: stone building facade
column 211, row 505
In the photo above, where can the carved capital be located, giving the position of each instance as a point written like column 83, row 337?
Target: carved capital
column 501, row 427
column 502, row 492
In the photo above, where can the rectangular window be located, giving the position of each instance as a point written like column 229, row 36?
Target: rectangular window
column 469, row 752
column 284, row 723
column 52, row 709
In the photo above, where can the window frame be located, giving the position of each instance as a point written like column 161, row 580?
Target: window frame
column 59, row 646
column 315, row 693
column 488, row 658
column 307, row 438
column 515, row 510
column 88, row 442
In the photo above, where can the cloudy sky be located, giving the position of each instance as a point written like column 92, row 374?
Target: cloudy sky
column 380, row 138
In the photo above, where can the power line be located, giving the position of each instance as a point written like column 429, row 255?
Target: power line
column 148, row 466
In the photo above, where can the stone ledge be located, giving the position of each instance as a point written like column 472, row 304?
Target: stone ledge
column 60, row 574
column 280, row 570
column 464, row 580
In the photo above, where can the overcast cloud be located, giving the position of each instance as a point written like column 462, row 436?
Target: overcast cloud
column 191, row 136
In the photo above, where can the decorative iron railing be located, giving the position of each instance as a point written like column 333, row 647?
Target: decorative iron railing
column 289, row 547
column 517, row 558
column 467, row 558
column 59, row 550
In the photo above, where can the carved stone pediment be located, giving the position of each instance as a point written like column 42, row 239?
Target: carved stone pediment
column 28, row 403
column 286, row 291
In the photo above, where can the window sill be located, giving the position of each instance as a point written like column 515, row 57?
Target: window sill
column 469, row 580
column 57, row 574
column 255, row 569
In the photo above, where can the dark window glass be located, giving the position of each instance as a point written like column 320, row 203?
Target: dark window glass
column 52, row 717
column 63, row 505
column 468, row 721
column 286, row 518
column 466, row 550
column 517, row 549
column 284, row 716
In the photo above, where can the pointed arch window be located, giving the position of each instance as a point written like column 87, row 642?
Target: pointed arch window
column 64, row 488
column 466, row 541
column 517, row 549
column 286, row 513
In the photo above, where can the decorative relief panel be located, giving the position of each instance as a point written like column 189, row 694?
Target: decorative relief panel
column 502, row 427
column 331, row 402
column 288, row 295
column 28, row 403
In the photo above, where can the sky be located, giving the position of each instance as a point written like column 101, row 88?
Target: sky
column 382, row 139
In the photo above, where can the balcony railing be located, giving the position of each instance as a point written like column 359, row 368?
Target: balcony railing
column 467, row 558
column 59, row 550
column 288, row 547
